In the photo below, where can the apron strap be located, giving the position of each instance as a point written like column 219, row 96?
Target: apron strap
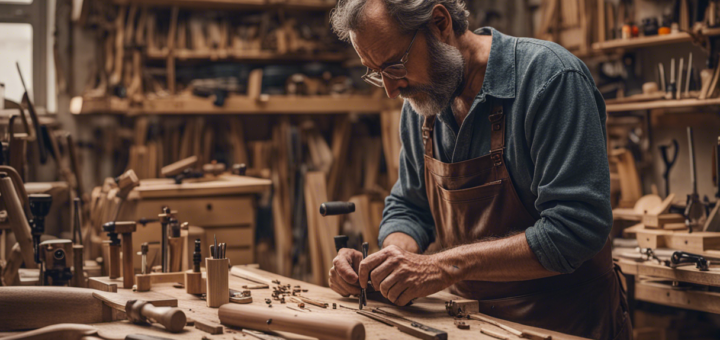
column 497, row 129
column 427, row 135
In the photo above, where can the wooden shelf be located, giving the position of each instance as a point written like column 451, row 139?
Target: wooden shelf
column 238, row 105
column 662, row 104
column 309, row 5
column 248, row 56
column 633, row 43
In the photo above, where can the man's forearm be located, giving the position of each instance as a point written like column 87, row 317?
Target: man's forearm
column 403, row 241
column 507, row 259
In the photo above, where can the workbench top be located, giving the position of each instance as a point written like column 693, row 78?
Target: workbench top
column 429, row 310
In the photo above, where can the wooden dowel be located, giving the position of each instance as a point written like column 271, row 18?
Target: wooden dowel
column 127, row 261
column 268, row 320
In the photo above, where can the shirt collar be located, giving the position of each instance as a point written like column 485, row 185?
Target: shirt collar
column 499, row 79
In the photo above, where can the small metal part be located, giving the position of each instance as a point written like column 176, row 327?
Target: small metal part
column 301, row 305
column 268, row 301
column 277, row 282
column 461, row 324
column 246, row 293
column 334, row 305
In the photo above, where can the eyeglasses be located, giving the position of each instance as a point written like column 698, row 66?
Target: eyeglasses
column 394, row 71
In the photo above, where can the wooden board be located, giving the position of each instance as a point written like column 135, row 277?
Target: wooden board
column 683, row 274
column 696, row 242
column 224, row 185
column 689, row 299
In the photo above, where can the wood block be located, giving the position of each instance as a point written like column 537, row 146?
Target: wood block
column 104, row 284
column 195, row 283
column 696, row 242
column 178, row 167
column 143, row 283
column 208, row 327
column 659, row 221
column 218, row 282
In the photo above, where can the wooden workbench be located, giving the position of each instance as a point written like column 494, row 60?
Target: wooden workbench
column 430, row 310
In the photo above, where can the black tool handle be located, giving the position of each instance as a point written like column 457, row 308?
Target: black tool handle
column 681, row 257
column 341, row 241
column 336, row 208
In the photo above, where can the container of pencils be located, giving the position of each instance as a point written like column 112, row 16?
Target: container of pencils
column 218, row 280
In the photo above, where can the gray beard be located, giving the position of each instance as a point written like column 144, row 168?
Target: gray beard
column 446, row 76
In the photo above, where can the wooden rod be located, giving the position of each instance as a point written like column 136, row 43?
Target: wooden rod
column 127, row 261
column 268, row 320
column 78, row 279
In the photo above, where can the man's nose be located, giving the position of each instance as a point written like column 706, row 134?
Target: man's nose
column 392, row 86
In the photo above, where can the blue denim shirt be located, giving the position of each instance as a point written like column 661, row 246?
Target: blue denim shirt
column 555, row 151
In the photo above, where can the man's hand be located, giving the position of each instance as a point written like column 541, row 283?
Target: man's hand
column 343, row 274
column 401, row 275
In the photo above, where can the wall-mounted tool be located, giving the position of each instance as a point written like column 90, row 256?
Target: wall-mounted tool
column 41, row 131
column 713, row 220
column 669, row 162
column 40, row 207
column 681, row 258
column 125, row 229
column 56, row 258
column 694, row 209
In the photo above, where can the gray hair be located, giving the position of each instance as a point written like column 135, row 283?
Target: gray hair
column 409, row 15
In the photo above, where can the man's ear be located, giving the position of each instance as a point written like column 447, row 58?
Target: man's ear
column 441, row 23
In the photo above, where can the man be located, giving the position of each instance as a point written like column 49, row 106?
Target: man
column 504, row 167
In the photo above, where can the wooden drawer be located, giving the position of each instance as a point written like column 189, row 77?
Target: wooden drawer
column 200, row 211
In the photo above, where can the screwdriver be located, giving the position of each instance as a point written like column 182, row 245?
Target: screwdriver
column 363, row 291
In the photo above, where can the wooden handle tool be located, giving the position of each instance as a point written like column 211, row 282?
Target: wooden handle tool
column 270, row 320
column 139, row 311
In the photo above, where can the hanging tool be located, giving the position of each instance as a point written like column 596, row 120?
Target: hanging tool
column 77, row 221
column 40, row 207
column 687, row 78
column 669, row 162
column 681, row 258
column 694, row 210
column 41, row 131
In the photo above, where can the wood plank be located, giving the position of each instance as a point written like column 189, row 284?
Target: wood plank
column 682, row 274
column 323, row 229
column 689, row 299
column 696, row 242
column 663, row 104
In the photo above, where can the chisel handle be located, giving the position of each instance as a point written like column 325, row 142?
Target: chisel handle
column 336, row 208
column 341, row 241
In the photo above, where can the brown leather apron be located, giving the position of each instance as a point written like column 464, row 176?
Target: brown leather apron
column 476, row 199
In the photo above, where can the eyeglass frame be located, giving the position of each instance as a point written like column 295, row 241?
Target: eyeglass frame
column 367, row 76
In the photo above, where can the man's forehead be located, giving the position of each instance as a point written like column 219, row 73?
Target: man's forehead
column 377, row 45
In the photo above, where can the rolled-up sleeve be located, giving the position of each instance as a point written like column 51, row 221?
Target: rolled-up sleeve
column 565, row 132
column 406, row 208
